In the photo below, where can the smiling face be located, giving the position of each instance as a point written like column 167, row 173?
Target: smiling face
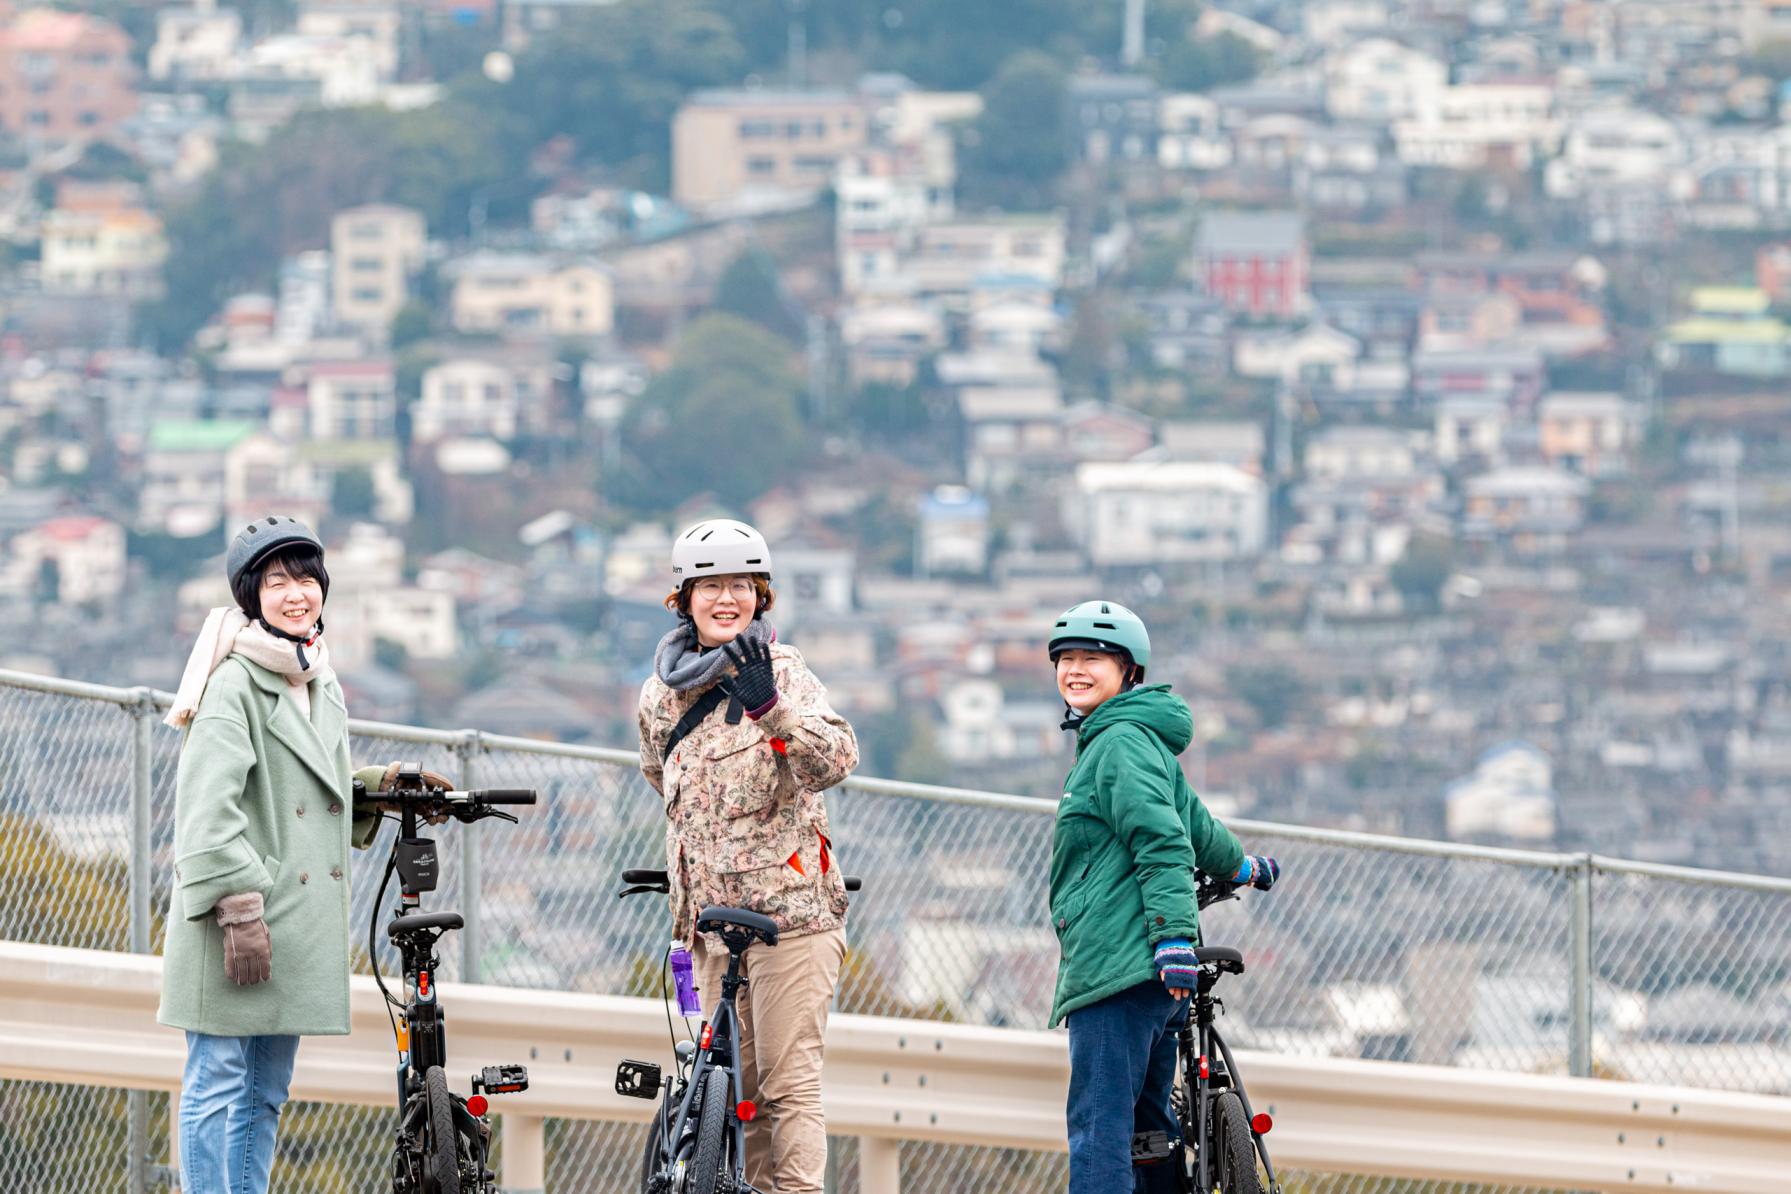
column 288, row 602
column 1087, row 678
column 722, row 606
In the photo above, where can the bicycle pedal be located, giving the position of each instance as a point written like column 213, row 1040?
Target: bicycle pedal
column 1149, row 1148
column 502, row 1079
column 638, row 1079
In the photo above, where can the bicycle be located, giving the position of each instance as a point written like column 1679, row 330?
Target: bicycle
column 697, row 1141
column 443, row 1140
column 1209, row 1100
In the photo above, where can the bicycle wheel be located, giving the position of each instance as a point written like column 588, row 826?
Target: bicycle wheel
column 712, row 1131
column 1235, row 1149
column 441, row 1144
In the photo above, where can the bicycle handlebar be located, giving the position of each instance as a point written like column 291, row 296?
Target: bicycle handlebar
column 657, row 881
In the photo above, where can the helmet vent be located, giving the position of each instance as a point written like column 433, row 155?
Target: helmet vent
column 706, row 564
column 1105, row 609
column 755, row 560
column 1104, row 625
column 706, row 535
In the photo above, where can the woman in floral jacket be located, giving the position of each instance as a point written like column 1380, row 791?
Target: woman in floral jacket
column 746, row 827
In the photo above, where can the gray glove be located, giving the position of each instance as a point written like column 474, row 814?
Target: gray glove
column 248, row 948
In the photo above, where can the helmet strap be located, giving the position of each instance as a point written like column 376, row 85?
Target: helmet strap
column 299, row 643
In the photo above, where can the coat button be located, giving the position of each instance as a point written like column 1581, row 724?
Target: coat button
column 335, row 810
column 335, row 872
column 301, row 810
column 304, row 876
column 1159, row 920
column 1063, row 922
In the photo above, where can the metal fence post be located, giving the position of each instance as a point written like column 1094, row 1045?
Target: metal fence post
column 1579, row 995
column 468, row 749
column 142, row 714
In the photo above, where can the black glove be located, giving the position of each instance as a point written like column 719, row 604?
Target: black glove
column 753, row 683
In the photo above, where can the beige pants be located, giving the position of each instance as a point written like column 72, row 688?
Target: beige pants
column 783, row 1020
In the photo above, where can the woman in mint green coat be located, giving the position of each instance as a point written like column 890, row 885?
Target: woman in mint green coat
column 257, row 950
column 1130, row 834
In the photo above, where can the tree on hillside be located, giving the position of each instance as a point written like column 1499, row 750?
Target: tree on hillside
column 1014, row 152
column 750, row 288
column 724, row 419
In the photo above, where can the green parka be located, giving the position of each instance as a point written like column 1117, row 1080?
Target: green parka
column 1130, row 832
column 263, row 803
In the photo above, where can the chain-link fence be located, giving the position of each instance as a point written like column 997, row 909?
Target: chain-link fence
column 1368, row 947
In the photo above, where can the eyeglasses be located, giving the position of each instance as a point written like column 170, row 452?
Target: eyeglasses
column 711, row 590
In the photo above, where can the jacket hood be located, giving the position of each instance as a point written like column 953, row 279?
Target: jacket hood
column 1153, row 707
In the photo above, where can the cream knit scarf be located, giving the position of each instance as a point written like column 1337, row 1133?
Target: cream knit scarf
column 228, row 631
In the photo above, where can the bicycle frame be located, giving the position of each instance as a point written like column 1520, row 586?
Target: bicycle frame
column 721, row 1035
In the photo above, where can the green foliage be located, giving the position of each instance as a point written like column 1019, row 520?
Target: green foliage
column 1014, row 152
column 168, row 557
column 1199, row 64
column 1421, row 572
column 750, row 288
column 724, row 419
column 351, row 493
column 413, row 322
column 1274, row 691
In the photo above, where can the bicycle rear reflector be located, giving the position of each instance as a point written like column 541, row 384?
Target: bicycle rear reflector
column 747, row 1110
column 478, row 1105
column 1260, row 1123
column 638, row 1080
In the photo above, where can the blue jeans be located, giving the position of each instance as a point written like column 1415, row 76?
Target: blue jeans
column 1122, row 1068
column 230, row 1100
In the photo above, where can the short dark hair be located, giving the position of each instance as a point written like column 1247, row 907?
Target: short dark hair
column 301, row 561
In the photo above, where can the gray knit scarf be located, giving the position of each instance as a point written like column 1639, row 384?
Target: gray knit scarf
column 680, row 661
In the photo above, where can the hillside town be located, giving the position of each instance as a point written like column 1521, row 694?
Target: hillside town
column 1418, row 371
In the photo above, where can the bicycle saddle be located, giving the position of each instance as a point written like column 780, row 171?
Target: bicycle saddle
column 1227, row 959
column 713, row 919
column 418, row 921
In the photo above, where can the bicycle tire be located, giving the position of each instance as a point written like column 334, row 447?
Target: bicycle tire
column 1236, row 1149
column 712, row 1132
column 441, row 1143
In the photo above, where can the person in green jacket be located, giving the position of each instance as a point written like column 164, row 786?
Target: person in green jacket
column 257, row 950
column 1130, row 834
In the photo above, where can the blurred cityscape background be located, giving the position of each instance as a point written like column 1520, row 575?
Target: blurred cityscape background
column 1416, row 369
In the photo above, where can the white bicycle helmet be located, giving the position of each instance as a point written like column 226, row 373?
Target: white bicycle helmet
column 719, row 547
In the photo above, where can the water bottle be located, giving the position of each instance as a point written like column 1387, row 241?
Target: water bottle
column 684, row 979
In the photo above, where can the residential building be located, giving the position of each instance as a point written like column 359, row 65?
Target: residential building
column 1514, row 375
column 883, row 197
column 1191, row 133
column 1111, row 118
column 1470, row 427
column 64, row 76
column 482, row 397
column 1131, row 515
column 1477, row 126
column 1255, row 263
column 1240, row 445
column 183, row 474
column 1379, row 80
column 348, row 399
column 1510, row 795
column 1532, row 509
column 73, row 559
column 742, row 146
column 1317, row 355
column 376, row 25
column 374, row 251
column 522, row 292
column 953, row 533
column 1588, row 433
column 952, row 259
column 886, row 342
column 196, row 44
column 1730, row 330
column 101, row 240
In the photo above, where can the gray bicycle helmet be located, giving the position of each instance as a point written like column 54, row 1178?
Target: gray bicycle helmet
column 254, row 543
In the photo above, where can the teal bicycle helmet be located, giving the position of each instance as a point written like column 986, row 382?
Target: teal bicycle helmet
column 1102, row 626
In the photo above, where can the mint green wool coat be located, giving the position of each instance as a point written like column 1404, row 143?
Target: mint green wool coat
column 263, row 803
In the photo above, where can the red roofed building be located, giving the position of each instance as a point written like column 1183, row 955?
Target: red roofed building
column 84, row 555
column 63, row 76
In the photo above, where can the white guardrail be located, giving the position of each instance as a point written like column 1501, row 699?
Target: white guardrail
column 88, row 1017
